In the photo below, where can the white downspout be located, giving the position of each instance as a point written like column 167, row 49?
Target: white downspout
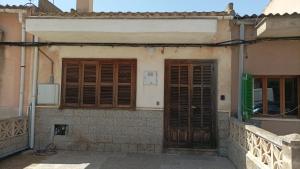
column 22, row 66
column 34, row 93
column 241, row 70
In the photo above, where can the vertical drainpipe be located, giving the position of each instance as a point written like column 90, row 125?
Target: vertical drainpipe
column 34, row 93
column 241, row 70
column 22, row 66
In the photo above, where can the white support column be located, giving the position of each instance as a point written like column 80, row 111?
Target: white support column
column 22, row 66
column 241, row 70
column 34, row 93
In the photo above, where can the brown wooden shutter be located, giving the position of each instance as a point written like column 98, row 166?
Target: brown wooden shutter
column 202, row 104
column 71, row 86
column 106, row 84
column 174, row 97
column 179, row 103
column 124, row 84
column 189, row 103
column 89, row 84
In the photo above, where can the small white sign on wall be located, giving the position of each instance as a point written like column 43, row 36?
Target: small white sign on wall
column 150, row 77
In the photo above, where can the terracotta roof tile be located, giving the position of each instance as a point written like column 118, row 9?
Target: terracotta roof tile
column 263, row 15
column 122, row 15
column 13, row 7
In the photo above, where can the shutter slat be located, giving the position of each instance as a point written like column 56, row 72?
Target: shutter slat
column 184, row 74
column 106, row 96
column 124, row 94
column 90, row 73
column 72, row 73
column 124, row 84
column 89, row 84
column 72, row 94
column 71, row 86
column 174, row 74
column 124, row 73
column 106, row 85
column 89, row 95
column 107, row 73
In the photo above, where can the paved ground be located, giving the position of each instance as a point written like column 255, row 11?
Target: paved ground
column 97, row 160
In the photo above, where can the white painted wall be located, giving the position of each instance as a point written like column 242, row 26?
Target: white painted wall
column 124, row 30
column 282, row 6
column 121, row 25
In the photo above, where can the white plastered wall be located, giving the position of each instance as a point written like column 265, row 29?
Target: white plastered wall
column 282, row 6
column 153, row 59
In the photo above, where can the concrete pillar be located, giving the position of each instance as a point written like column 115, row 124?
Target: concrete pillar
column 291, row 151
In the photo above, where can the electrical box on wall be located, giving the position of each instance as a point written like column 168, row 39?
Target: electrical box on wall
column 48, row 94
column 150, row 78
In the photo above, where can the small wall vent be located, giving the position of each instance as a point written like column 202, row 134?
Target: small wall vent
column 61, row 129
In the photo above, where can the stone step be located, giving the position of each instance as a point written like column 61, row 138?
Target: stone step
column 190, row 151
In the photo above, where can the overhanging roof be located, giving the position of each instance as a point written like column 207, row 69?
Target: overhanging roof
column 123, row 30
column 279, row 26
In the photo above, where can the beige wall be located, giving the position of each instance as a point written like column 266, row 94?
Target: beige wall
column 282, row 6
column 273, row 58
column 9, row 61
column 152, row 59
column 10, row 66
column 265, row 58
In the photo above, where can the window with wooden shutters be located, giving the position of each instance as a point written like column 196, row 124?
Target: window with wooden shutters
column 99, row 83
column 276, row 96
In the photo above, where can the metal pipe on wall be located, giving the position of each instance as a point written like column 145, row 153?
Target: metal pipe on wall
column 34, row 93
column 22, row 66
column 51, row 79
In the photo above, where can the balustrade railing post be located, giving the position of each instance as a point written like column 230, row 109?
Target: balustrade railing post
column 291, row 151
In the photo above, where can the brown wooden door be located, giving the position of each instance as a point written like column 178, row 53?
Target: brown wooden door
column 189, row 112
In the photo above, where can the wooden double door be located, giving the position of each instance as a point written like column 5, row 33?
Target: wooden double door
column 189, row 104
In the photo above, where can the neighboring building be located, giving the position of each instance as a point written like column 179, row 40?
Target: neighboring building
column 143, row 82
column 274, row 65
column 11, row 20
column 282, row 7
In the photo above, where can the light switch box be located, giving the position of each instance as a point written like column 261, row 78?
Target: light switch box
column 48, row 94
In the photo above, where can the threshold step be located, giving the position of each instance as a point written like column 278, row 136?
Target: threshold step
column 187, row 151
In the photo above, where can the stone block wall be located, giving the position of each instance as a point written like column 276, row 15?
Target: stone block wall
column 101, row 130
column 222, row 132
column 237, row 154
column 13, row 145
